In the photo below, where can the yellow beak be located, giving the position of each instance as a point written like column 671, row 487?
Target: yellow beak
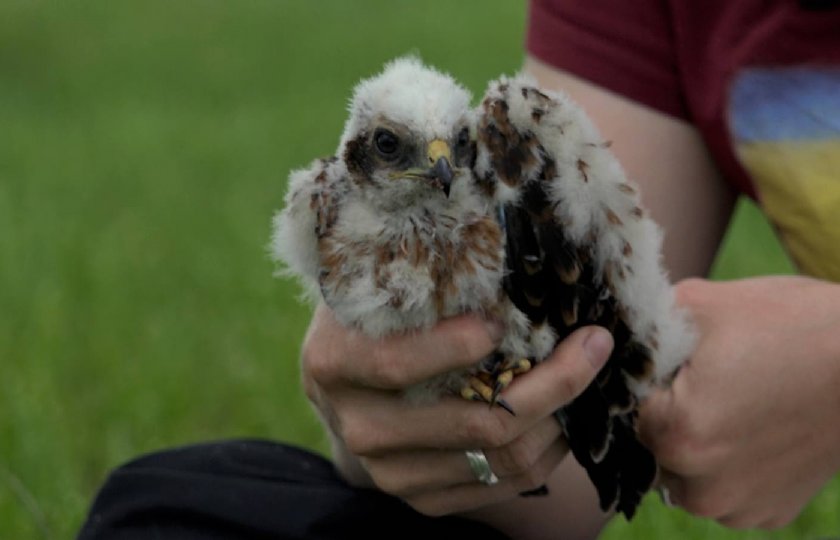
column 438, row 149
column 440, row 157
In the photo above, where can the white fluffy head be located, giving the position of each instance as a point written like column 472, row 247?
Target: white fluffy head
column 427, row 102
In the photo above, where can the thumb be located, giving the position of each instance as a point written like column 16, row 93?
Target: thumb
column 655, row 415
column 563, row 375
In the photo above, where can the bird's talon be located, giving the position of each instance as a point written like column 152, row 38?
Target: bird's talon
column 541, row 491
column 504, row 405
column 476, row 390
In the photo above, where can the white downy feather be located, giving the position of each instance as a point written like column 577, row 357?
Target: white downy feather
column 571, row 139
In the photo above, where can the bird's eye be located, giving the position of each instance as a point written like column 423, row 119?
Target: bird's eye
column 464, row 138
column 464, row 150
column 386, row 143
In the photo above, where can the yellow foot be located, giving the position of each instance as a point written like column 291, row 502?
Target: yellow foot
column 478, row 389
column 486, row 387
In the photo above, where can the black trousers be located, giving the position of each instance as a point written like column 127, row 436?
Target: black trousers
column 250, row 489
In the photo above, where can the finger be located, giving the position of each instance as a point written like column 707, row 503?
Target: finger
column 376, row 422
column 524, row 452
column 464, row 497
column 410, row 472
column 700, row 496
column 656, row 416
column 373, row 423
column 561, row 377
column 397, row 361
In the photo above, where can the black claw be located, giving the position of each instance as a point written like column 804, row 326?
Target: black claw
column 504, row 404
column 541, row 491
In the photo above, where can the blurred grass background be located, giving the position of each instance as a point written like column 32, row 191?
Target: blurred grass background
column 144, row 146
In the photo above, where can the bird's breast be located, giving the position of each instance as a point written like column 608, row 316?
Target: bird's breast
column 412, row 272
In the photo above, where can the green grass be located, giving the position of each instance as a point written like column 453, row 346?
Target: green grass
column 143, row 148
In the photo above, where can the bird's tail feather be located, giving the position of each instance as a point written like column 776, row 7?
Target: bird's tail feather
column 620, row 467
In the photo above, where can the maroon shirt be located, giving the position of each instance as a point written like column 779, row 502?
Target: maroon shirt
column 680, row 57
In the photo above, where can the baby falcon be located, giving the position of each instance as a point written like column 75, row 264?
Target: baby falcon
column 515, row 210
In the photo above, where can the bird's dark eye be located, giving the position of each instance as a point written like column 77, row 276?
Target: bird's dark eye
column 464, row 138
column 464, row 150
column 386, row 143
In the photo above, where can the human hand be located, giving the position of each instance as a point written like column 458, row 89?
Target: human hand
column 416, row 452
column 747, row 433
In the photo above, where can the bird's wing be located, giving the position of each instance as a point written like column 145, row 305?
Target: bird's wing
column 310, row 211
column 580, row 250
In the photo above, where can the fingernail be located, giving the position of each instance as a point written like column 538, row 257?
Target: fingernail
column 496, row 330
column 598, row 346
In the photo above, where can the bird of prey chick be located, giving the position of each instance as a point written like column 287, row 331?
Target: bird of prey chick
column 515, row 210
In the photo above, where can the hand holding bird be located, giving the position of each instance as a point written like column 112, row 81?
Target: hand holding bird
column 416, row 451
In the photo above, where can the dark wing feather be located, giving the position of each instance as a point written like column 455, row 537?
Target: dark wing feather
column 524, row 279
column 553, row 281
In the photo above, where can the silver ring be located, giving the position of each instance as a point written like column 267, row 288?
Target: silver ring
column 481, row 467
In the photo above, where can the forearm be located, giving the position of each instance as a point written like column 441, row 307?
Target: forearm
column 825, row 339
column 831, row 333
column 824, row 342
column 571, row 506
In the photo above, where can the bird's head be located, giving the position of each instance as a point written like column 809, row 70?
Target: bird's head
column 408, row 138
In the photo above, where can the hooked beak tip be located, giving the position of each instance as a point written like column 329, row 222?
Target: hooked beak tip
column 442, row 170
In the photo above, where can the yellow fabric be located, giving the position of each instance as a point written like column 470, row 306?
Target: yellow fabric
column 799, row 188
